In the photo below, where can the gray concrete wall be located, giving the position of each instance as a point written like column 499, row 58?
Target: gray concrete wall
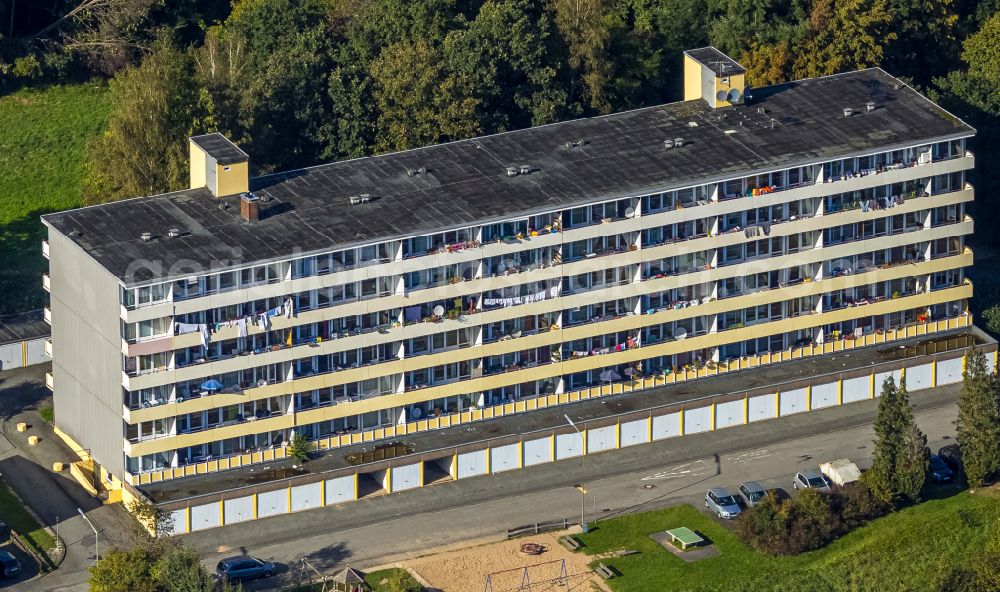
column 86, row 352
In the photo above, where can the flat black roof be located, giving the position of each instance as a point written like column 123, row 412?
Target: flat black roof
column 24, row 326
column 466, row 181
column 553, row 418
column 220, row 148
column 716, row 61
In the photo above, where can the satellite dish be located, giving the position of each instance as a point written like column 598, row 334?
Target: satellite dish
column 416, row 413
column 721, row 96
column 629, row 212
column 438, row 310
column 681, row 333
column 734, row 95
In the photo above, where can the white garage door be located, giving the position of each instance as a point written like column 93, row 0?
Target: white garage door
column 238, row 509
column 634, row 432
column 600, row 439
column 569, row 445
column 918, row 377
column 824, row 395
column 205, row 516
column 793, row 401
column 537, row 451
column 472, row 463
column 504, row 458
column 857, row 389
column 340, row 489
column 697, row 420
column 666, row 426
column 762, row 407
column 405, row 477
column 881, row 377
column 729, row 414
column 272, row 503
column 949, row 371
column 305, row 497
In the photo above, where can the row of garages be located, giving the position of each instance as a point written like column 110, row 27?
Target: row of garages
column 530, row 450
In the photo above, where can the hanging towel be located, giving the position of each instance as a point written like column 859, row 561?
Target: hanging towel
column 205, row 336
column 274, row 312
column 265, row 323
column 241, row 328
column 182, row 328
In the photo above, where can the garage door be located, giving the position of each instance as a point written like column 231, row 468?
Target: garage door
column 472, row 463
column 697, row 420
column 504, row 458
column 537, row 451
column 272, row 503
column 634, row 432
column 762, row 407
column 949, row 371
column 238, row 509
column 341, row 489
column 824, row 395
column 308, row 496
column 918, row 377
column 205, row 516
column 406, row 477
column 857, row 389
column 568, row 445
column 601, row 439
column 880, row 378
column 729, row 414
column 666, row 426
column 793, row 401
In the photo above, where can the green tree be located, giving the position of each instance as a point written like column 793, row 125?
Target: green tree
column 144, row 150
column 506, row 56
column 420, row 102
column 899, row 461
column 978, row 424
column 124, row 570
column 299, row 448
column 843, row 35
column 582, row 26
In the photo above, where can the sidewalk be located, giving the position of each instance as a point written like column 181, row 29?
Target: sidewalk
column 54, row 497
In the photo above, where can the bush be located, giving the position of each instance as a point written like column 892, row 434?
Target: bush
column 808, row 521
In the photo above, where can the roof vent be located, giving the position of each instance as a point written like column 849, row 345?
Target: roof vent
column 359, row 199
column 524, row 169
column 75, row 233
column 512, row 171
column 417, row 171
column 146, row 237
column 848, row 111
column 678, row 142
column 692, row 124
column 668, row 144
column 870, row 106
column 729, row 132
column 174, row 232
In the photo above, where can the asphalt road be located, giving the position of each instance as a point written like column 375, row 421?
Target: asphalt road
column 388, row 528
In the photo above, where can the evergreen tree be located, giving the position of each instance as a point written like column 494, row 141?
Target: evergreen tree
column 978, row 424
column 299, row 448
column 899, row 463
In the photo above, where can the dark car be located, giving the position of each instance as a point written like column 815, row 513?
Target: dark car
column 9, row 564
column 244, row 567
column 939, row 471
column 952, row 456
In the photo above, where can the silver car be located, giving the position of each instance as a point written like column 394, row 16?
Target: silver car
column 751, row 493
column 722, row 503
column 810, row 480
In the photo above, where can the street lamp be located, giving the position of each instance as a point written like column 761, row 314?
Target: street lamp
column 97, row 549
column 583, row 471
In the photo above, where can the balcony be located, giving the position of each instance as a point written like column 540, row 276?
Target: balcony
column 46, row 283
column 48, row 347
column 47, row 315
column 49, row 382
column 45, row 249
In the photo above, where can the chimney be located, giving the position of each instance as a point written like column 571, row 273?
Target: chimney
column 219, row 165
column 249, row 208
column 713, row 76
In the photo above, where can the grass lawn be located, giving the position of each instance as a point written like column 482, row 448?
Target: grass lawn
column 42, row 140
column 12, row 512
column 47, row 413
column 383, row 580
column 902, row 551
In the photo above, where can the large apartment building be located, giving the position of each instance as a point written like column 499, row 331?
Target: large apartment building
column 356, row 301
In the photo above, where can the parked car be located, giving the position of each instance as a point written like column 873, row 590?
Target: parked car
column 722, row 503
column 940, row 472
column 810, row 480
column 952, row 456
column 244, row 567
column 9, row 564
column 751, row 493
